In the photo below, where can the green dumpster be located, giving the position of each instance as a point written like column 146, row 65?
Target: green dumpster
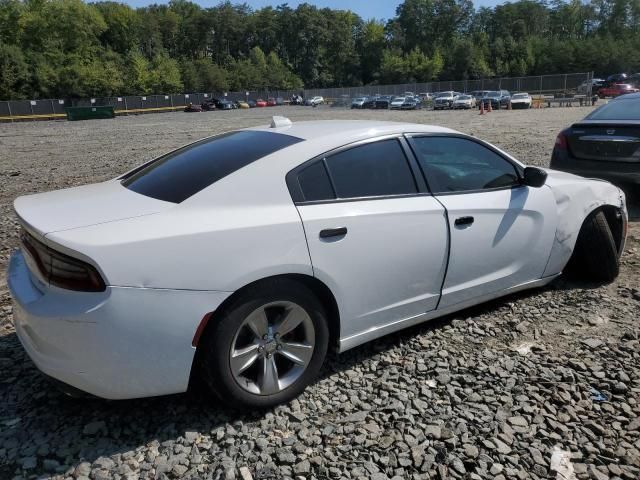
column 90, row 113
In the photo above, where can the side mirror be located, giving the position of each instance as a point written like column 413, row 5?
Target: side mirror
column 534, row 177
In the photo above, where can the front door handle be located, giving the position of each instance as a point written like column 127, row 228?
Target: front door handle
column 461, row 221
column 333, row 232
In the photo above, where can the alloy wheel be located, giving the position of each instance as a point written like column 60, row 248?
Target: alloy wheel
column 272, row 348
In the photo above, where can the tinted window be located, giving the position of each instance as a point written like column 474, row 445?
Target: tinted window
column 379, row 168
column 457, row 165
column 620, row 109
column 183, row 173
column 314, row 183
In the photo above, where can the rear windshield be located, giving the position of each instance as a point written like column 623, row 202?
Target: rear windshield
column 183, row 173
column 620, row 109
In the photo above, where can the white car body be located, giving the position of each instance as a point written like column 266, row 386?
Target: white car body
column 397, row 103
column 521, row 100
column 464, row 101
column 167, row 266
column 317, row 101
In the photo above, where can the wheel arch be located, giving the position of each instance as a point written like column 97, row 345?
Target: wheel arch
column 317, row 287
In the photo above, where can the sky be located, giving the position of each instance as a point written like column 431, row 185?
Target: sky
column 365, row 8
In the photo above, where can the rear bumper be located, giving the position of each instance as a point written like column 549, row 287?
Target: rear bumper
column 615, row 172
column 117, row 344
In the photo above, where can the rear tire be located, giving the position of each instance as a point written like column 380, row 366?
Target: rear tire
column 267, row 306
column 595, row 256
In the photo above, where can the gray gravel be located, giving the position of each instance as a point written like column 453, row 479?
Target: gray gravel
column 539, row 385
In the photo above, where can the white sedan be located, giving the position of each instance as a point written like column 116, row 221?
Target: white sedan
column 243, row 257
column 520, row 100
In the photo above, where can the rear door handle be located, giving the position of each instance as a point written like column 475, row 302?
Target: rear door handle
column 333, row 232
column 463, row 221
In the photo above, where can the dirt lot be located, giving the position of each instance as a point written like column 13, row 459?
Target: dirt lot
column 501, row 391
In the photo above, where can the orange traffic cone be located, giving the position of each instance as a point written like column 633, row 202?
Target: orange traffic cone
column 490, row 109
column 481, row 108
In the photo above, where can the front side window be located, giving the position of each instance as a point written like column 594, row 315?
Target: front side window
column 184, row 172
column 453, row 164
column 373, row 169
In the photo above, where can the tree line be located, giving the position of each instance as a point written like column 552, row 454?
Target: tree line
column 68, row 48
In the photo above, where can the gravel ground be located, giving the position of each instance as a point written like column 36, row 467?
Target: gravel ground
column 539, row 385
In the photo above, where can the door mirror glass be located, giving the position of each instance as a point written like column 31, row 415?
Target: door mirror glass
column 534, row 177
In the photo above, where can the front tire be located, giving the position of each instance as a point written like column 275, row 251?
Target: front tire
column 266, row 345
column 595, row 256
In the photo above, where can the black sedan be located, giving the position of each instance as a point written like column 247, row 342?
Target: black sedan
column 605, row 144
column 497, row 99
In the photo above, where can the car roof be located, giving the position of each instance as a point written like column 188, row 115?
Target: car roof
column 347, row 131
column 628, row 96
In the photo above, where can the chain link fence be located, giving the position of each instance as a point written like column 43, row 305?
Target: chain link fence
column 543, row 85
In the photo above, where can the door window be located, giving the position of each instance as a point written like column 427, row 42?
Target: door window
column 452, row 164
column 373, row 169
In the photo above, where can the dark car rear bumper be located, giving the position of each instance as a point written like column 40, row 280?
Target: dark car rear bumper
column 615, row 172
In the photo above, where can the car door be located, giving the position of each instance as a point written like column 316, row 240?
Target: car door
column 501, row 230
column 375, row 238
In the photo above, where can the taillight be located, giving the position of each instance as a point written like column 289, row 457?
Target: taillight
column 561, row 140
column 62, row 270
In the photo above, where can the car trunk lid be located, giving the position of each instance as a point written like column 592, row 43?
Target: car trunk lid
column 83, row 206
column 605, row 141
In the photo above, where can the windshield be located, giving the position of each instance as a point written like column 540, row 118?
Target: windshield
column 622, row 109
column 444, row 94
column 464, row 97
column 520, row 95
column 359, row 99
column 184, row 172
column 399, row 99
column 493, row 94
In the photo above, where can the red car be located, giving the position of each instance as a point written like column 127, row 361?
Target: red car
column 271, row 102
column 616, row 89
column 261, row 103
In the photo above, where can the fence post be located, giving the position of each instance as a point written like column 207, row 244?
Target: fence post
column 565, row 84
column 10, row 114
column 126, row 109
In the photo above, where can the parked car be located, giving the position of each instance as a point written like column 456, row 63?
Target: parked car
column 444, row 100
column 271, row 102
column 217, row 104
column 411, row 103
column 520, row 100
column 497, row 98
column 193, row 108
column 261, row 103
column 464, row 102
column 635, row 80
column 208, row 105
column 590, row 85
column 617, row 78
column 358, row 102
column 605, row 144
column 425, row 96
column 251, row 103
column 370, row 102
column 231, row 260
column 243, row 104
column 479, row 94
column 396, row 103
column 383, row 102
column 317, row 100
column 616, row 89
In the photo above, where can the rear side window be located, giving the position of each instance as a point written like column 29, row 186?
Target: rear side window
column 315, row 184
column 183, row 173
column 620, row 109
column 374, row 169
column 457, row 165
